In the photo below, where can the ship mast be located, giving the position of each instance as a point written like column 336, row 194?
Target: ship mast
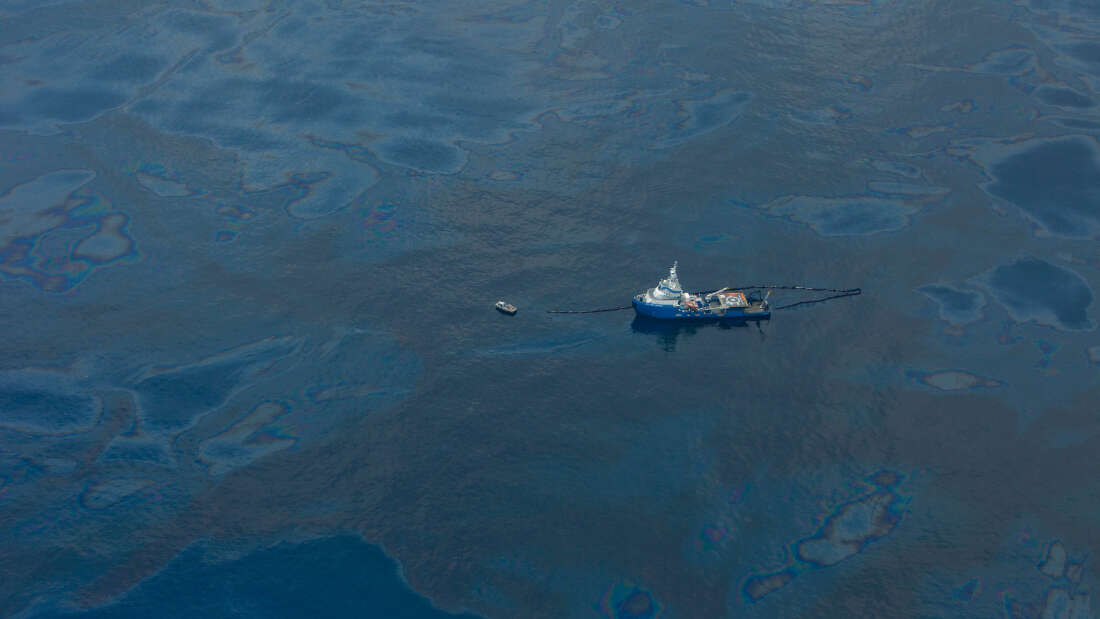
column 673, row 280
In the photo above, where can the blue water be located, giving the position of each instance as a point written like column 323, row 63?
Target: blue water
column 249, row 252
column 332, row 577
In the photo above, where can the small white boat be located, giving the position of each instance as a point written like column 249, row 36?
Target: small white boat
column 506, row 308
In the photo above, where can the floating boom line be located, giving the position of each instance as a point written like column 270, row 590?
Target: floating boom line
column 593, row 311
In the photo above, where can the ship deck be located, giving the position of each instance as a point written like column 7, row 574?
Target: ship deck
column 717, row 309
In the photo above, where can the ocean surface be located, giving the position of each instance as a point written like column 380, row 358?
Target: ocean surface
column 249, row 364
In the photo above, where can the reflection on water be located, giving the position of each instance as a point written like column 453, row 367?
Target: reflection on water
column 668, row 331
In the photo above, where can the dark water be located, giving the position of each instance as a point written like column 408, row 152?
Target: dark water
column 249, row 250
column 329, row 577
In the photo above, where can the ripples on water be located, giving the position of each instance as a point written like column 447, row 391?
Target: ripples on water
column 248, row 253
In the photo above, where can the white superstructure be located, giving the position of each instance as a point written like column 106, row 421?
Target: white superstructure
column 668, row 291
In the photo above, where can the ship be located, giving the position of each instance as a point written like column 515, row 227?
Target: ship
column 668, row 301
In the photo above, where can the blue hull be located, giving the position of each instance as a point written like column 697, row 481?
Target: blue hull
column 670, row 312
